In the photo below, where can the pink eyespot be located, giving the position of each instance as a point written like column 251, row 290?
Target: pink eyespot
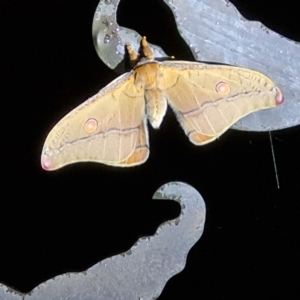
column 223, row 88
column 90, row 125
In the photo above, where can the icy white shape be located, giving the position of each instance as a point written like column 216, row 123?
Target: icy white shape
column 110, row 38
column 140, row 273
column 217, row 32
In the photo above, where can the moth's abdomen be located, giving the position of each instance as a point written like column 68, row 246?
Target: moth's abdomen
column 156, row 106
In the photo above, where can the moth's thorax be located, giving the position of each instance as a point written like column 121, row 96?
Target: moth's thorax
column 149, row 77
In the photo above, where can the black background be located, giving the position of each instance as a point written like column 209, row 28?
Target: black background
column 68, row 220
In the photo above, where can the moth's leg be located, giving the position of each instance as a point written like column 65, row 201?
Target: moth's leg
column 145, row 49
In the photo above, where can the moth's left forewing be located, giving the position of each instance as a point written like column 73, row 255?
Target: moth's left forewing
column 208, row 99
column 105, row 128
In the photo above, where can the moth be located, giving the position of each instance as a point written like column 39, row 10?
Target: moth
column 111, row 127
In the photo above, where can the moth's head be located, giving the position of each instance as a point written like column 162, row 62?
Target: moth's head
column 145, row 53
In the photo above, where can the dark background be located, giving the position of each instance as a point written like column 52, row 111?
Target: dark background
column 68, row 220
